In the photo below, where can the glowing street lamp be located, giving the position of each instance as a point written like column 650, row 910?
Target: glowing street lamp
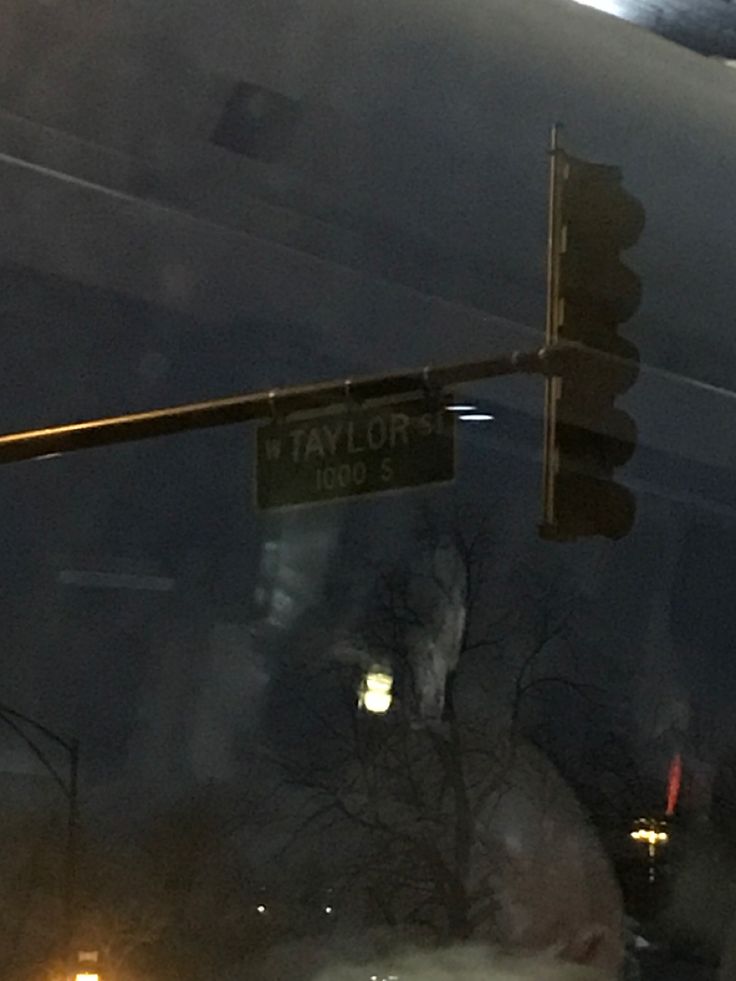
column 653, row 834
column 88, row 966
column 375, row 694
column 652, row 837
column 87, row 969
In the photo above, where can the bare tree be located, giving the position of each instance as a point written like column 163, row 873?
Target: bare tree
column 408, row 799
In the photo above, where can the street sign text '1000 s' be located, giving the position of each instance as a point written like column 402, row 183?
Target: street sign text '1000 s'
column 354, row 451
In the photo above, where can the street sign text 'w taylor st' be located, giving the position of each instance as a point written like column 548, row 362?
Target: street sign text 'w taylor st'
column 354, row 451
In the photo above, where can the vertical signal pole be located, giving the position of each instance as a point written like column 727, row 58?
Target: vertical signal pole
column 553, row 382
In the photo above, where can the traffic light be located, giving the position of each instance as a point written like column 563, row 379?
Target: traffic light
column 591, row 292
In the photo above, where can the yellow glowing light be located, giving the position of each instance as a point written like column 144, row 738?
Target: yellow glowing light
column 651, row 834
column 375, row 692
column 86, row 976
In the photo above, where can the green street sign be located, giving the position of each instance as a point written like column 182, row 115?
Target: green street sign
column 354, row 451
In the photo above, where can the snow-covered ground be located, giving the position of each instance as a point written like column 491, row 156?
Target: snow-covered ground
column 467, row 964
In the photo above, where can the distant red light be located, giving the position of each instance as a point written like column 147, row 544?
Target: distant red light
column 674, row 782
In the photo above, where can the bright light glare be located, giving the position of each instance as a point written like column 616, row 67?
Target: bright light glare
column 260, row 909
column 375, row 692
column 477, row 417
column 650, row 835
column 460, row 408
column 87, row 977
column 328, row 909
column 614, row 7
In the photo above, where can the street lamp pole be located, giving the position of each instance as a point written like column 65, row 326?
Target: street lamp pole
column 70, row 788
column 72, row 841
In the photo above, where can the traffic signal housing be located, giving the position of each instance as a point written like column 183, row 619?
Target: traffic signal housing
column 590, row 293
